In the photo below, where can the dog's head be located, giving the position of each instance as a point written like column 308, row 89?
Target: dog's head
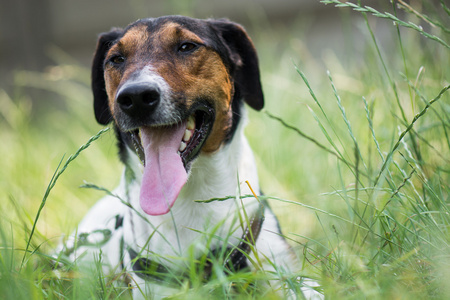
column 173, row 87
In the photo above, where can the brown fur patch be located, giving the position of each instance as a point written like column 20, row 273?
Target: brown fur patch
column 200, row 75
column 131, row 43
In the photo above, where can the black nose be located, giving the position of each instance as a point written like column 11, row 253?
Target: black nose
column 138, row 99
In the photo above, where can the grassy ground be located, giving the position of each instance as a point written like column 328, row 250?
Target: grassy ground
column 356, row 160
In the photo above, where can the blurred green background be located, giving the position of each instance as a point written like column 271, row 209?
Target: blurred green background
column 374, row 216
column 46, row 109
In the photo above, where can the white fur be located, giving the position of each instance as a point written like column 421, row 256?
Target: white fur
column 215, row 175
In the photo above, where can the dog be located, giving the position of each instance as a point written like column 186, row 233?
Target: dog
column 174, row 89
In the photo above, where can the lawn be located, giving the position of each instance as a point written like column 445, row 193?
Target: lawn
column 353, row 156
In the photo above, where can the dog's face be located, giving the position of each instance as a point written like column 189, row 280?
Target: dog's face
column 173, row 87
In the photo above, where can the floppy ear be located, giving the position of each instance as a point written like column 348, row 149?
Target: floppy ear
column 101, row 108
column 244, row 59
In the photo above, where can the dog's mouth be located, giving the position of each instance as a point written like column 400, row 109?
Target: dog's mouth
column 198, row 126
column 167, row 151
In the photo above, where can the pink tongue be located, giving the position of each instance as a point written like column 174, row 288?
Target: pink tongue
column 164, row 173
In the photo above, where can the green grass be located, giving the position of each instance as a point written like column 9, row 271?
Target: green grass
column 355, row 161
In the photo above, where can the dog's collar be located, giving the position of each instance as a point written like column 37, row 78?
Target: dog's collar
column 234, row 257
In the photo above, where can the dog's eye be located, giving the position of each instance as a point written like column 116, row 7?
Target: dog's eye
column 117, row 59
column 187, row 47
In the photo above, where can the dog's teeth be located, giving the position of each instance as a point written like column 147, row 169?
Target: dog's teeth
column 182, row 146
column 187, row 135
column 190, row 123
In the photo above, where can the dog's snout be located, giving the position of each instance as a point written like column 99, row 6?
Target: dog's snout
column 138, row 99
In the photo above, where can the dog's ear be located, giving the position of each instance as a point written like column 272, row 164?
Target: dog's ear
column 104, row 43
column 244, row 59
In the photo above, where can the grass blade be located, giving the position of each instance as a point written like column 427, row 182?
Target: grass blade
column 52, row 183
column 408, row 129
column 299, row 132
column 375, row 13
